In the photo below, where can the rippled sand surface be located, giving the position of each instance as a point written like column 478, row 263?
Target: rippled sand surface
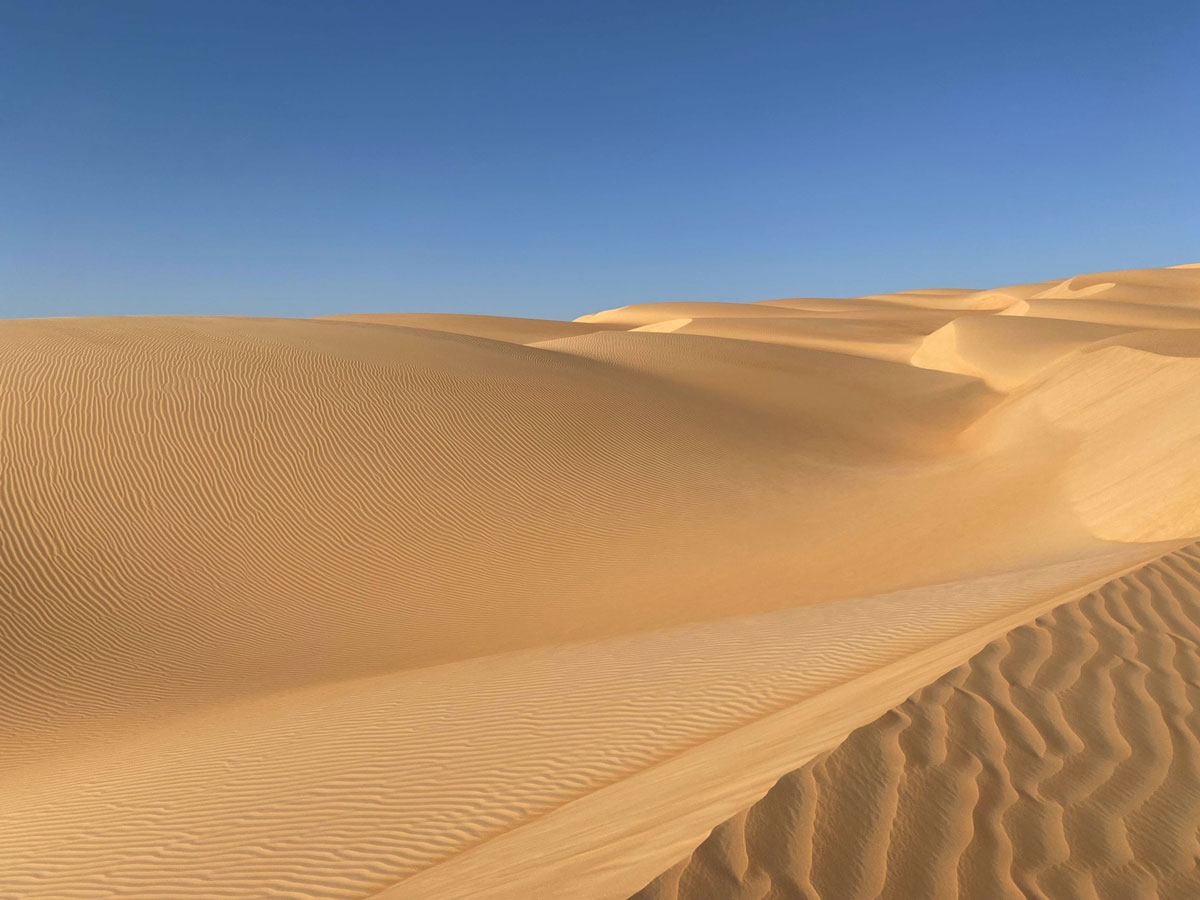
column 890, row 596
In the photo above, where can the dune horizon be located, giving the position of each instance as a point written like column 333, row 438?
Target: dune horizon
column 810, row 598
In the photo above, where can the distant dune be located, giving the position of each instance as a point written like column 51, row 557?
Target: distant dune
column 893, row 596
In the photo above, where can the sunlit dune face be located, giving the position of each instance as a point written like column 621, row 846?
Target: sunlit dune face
column 441, row 606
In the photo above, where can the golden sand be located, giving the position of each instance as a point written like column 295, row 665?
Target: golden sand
column 438, row 606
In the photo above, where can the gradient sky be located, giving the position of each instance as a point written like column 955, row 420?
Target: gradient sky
column 553, row 158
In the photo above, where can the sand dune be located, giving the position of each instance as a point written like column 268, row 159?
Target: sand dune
column 1006, row 351
column 432, row 606
column 1062, row 761
column 496, row 328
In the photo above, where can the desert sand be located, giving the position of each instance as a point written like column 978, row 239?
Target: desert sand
column 892, row 596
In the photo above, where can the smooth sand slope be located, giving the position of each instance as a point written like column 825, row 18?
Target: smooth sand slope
column 454, row 606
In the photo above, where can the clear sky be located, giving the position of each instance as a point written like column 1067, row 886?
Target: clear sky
column 553, row 158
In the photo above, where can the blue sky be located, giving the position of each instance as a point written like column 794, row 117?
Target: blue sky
column 552, row 158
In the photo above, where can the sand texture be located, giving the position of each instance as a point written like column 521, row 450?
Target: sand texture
column 1063, row 760
column 441, row 606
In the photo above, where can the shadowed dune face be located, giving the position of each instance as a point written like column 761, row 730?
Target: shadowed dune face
column 428, row 605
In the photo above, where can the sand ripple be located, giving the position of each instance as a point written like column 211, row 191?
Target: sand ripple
column 1062, row 761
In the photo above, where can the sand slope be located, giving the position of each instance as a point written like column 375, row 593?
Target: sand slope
column 456, row 606
column 1061, row 761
